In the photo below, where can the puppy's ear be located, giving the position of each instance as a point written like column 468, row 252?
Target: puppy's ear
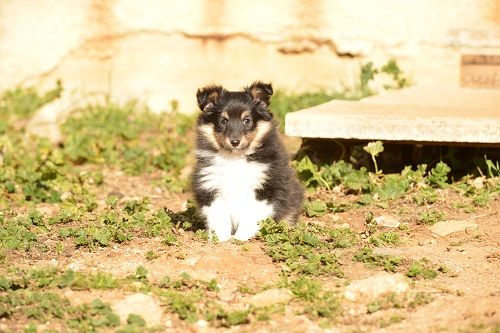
column 260, row 92
column 208, row 97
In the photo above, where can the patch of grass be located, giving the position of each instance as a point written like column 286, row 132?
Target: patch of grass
column 40, row 278
column 136, row 140
column 370, row 259
column 24, row 102
column 421, row 269
column 315, row 208
column 425, row 196
column 342, row 238
column 385, row 238
column 187, row 297
column 150, row 255
column 421, row 298
column 45, row 306
column 20, row 232
column 408, row 300
column 301, row 248
column 431, row 217
column 318, row 303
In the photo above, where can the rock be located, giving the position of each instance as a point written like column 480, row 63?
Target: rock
column 387, row 221
column 270, row 297
column 478, row 183
column 448, row 227
column 225, row 294
column 375, row 286
column 202, row 323
column 140, row 304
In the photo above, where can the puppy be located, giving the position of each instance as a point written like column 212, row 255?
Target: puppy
column 242, row 174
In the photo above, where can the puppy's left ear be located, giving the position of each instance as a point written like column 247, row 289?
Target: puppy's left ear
column 261, row 92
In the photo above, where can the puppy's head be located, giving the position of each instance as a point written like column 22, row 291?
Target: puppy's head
column 235, row 121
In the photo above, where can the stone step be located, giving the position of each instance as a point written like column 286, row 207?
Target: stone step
column 418, row 114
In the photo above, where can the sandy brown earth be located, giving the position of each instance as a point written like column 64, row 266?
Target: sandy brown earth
column 466, row 299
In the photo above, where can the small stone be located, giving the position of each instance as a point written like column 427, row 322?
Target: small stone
column 375, row 286
column 387, row 221
column 140, row 304
column 478, row 183
column 202, row 323
column 448, row 227
column 226, row 295
column 336, row 218
column 270, row 297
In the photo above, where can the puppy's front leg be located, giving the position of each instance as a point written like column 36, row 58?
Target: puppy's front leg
column 218, row 220
column 248, row 222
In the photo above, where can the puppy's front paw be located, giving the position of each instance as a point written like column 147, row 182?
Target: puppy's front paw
column 244, row 234
column 222, row 235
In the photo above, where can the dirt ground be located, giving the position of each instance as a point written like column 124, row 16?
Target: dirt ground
column 464, row 300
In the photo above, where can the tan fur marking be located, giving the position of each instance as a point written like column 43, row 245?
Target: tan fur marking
column 224, row 115
column 244, row 114
column 214, row 95
column 208, row 132
column 260, row 131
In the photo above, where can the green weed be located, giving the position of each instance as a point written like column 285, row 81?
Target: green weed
column 370, row 259
column 299, row 248
column 431, row 217
column 421, row 269
column 385, row 238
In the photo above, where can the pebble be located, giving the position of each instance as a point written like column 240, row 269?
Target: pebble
column 140, row 304
column 448, row 227
column 375, row 286
column 387, row 221
column 270, row 297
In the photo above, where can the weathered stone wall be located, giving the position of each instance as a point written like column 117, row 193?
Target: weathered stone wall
column 160, row 50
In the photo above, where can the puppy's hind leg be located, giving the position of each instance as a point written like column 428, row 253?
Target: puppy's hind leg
column 218, row 220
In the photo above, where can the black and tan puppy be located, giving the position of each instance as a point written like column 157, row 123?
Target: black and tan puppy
column 242, row 173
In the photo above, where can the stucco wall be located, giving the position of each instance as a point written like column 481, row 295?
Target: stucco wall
column 161, row 50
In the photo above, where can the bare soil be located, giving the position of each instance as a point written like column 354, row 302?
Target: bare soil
column 466, row 299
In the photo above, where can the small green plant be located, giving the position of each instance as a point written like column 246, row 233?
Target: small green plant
column 342, row 238
column 438, row 175
column 370, row 259
column 374, row 149
column 421, row 269
column 385, row 238
column 299, row 248
column 150, row 255
column 315, row 208
column 431, row 217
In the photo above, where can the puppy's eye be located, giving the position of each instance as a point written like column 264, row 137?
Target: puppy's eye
column 247, row 121
column 223, row 121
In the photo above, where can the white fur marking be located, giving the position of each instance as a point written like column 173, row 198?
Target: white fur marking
column 235, row 180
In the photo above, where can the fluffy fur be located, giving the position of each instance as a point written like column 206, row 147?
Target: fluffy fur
column 242, row 173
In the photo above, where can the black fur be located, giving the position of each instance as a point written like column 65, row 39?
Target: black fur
column 282, row 188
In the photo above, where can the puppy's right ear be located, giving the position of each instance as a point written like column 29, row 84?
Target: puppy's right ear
column 208, row 97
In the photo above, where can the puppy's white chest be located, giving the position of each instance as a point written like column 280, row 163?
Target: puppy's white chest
column 235, row 206
column 234, row 178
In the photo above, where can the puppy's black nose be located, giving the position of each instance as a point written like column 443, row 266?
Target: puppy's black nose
column 234, row 142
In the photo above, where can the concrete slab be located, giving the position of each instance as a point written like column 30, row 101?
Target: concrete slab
column 418, row 113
